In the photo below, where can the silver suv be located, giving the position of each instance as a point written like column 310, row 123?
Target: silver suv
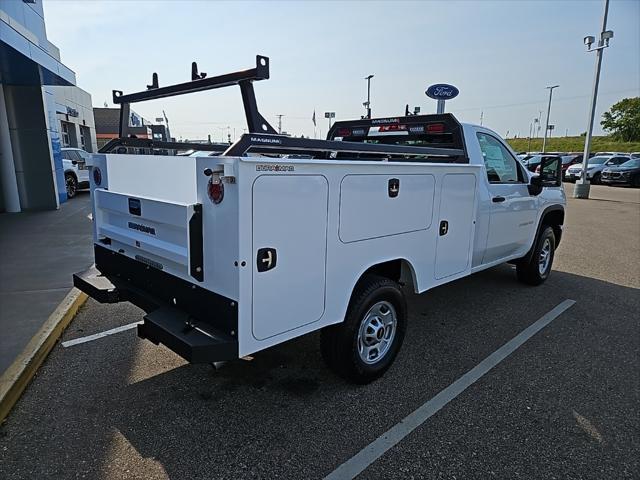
column 594, row 167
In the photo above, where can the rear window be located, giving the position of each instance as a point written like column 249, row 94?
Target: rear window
column 597, row 160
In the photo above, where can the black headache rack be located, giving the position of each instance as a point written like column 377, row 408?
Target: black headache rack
column 157, row 147
column 197, row 324
column 441, row 131
column 263, row 139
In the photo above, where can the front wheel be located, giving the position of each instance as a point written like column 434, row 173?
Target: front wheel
column 596, row 180
column 365, row 345
column 538, row 268
column 71, row 185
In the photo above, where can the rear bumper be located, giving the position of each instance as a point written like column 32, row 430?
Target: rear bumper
column 195, row 323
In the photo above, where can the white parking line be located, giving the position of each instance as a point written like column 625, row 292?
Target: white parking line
column 357, row 464
column 89, row 338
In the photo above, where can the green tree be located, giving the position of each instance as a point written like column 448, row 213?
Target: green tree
column 623, row 120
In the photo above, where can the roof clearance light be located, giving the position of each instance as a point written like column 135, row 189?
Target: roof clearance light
column 435, row 128
column 392, row 128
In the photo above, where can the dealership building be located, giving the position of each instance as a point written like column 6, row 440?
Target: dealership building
column 41, row 111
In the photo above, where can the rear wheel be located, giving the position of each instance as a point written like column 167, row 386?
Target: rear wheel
column 537, row 269
column 71, row 185
column 365, row 345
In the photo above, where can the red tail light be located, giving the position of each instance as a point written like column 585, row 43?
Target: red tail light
column 215, row 189
column 343, row 132
column 435, row 128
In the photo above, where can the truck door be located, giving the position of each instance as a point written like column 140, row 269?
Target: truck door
column 513, row 209
column 289, row 252
column 455, row 225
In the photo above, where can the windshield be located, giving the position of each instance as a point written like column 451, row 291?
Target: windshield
column 568, row 159
column 633, row 163
column 598, row 160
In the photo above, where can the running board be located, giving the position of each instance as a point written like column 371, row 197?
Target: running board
column 194, row 341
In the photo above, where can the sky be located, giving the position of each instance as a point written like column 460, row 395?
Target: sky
column 500, row 55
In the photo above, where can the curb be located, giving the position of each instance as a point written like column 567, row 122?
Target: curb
column 16, row 378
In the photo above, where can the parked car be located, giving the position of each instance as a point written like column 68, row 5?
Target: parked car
column 76, row 172
column 627, row 173
column 635, row 154
column 594, row 167
column 534, row 162
column 610, row 154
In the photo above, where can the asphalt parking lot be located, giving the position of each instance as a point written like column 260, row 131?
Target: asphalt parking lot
column 563, row 405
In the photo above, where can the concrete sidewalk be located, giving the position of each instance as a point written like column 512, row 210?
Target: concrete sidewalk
column 39, row 252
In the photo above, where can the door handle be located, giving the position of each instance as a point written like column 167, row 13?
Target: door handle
column 498, row 199
column 266, row 259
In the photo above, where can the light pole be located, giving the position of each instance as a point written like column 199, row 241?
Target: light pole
column 280, row 123
column 546, row 127
column 367, row 104
column 581, row 190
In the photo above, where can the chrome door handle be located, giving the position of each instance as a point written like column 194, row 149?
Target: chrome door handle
column 266, row 259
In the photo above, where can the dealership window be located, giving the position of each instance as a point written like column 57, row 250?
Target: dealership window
column 85, row 138
column 65, row 134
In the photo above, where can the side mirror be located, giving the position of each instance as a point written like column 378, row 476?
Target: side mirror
column 550, row 175
column 535, row 186
column 74, row 162
column 551, row 172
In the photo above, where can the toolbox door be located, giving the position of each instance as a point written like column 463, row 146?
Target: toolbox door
column 289, row 252
column 456, row 225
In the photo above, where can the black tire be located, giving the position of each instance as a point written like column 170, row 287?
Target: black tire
column 596, row 179
column 635, row 182
column 529, row 272
column 71, row 185
column 339, row 343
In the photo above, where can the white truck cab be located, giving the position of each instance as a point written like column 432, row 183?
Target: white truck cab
column 276, row 237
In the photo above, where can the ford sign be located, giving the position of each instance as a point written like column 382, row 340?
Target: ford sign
column 442, row 91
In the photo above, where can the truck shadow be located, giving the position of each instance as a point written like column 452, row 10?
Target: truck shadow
column 284, row 412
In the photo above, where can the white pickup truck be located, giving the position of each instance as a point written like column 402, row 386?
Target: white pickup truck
column 277, row 237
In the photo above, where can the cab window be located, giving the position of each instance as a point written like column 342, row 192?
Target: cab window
column 501, row 166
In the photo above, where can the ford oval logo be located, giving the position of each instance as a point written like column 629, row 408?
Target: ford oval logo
column 442, row 91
